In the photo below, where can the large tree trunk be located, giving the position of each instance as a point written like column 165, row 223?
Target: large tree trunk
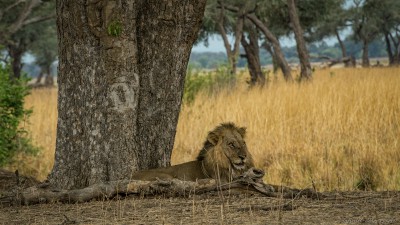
column 121, row 74
column 306, row 72
column 253, row 57
column 365, row 56
column 283, row 64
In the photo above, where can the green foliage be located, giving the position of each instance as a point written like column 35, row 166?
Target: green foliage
column 12, row 136
column 210, row 82
column 114, row 28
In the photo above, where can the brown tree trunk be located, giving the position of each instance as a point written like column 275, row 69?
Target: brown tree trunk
column 232, row 54
column 16, row 62
column 283, row 64
column 396, row 45
column 365, row 56
column 121, row 73
column 389, row 49
column 49, row 81
column 342, row 46
column 253, row 57
column 39, row 78
column 306, row 72
column 269, row 49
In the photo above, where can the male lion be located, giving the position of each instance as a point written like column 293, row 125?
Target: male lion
column 223, row 157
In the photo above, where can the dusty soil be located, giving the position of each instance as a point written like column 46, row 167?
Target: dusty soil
column 214, row 208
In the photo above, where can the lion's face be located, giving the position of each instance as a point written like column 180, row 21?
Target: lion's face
column 225, row 152
column 235, row 149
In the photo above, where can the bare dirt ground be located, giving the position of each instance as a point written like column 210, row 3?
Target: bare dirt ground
column 214, row 208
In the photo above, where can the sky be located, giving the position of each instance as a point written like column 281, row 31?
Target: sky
column 216, row 44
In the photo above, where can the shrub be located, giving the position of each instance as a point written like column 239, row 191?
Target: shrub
column 211, row 82
column 13, row 137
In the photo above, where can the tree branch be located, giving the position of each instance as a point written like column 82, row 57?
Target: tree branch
column 38, row 19
column 10, row 7
column 249, row 181
column 22, row 16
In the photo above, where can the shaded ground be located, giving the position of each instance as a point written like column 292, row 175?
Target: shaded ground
column 337, row 208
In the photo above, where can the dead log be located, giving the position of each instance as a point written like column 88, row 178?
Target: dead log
column 249, row 181
column 349, row 61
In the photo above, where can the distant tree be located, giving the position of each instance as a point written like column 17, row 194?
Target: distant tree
column 252, row 54
column 218, row 20
column 45, row 51
column 311, row 15
column 335, row 19
column 306, row 72
column 388, row 16
column 365, row 25
column 17, row 26
column 256, row 17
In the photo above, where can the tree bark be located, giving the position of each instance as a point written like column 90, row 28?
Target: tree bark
column 365, row 55
column 269, row 49
column 39, row 78
column 283, row 64
column 389, row 49
column 48, row 81
column 253, row 57
column 16, row 63
column 396, row 46
column 342, row 46
column 121, row 74
column 306, row 72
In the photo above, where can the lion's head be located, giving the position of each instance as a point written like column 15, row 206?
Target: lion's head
column 225, row 155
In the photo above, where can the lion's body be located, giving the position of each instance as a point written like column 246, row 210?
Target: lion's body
column 189, row 171
column 223, row 157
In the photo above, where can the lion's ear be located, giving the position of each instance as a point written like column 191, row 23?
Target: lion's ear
column 242, row 131
column 213, row 138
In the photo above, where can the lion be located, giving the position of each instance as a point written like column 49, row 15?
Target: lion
column 224, row 157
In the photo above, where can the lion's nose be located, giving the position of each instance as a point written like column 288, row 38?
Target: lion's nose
column 242, row 157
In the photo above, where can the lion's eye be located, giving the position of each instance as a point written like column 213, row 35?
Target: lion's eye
column 231, row 145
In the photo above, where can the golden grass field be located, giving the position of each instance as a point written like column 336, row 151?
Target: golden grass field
column 333, row 132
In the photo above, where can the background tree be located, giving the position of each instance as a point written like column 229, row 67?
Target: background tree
column 45, row 51
column 276, row 50
column 262, row 18
column 365, row 25
column 388, row 18
column 305, row 65
column 331, row 24
column 121, row 72
column 17, row 31
column 218, row 20
column 252, row 54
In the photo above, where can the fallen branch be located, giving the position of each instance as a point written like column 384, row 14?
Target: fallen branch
column 348, row 61
column 249, row 181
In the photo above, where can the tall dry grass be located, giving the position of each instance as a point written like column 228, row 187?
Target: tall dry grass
column 42, row 125
column 340, row 131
